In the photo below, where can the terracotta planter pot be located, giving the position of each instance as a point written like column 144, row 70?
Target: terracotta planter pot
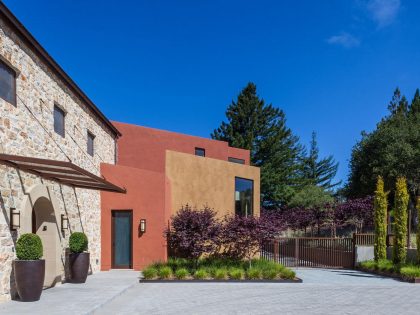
column 29, row 276
column 79, row 267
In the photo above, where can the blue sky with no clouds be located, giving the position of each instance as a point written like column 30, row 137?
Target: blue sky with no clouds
column 330, row 65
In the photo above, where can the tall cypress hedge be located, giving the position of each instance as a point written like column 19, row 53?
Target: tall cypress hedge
column 418, row 230
column 400, row 216
column 380, row 212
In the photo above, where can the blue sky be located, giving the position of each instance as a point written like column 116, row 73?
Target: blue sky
column 330, row 65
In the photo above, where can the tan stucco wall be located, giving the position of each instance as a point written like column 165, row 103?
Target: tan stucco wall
column 199, row 181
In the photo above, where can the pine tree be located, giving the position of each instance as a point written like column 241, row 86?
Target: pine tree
column 400, row 217
column 380, row 212
column 316, row 171
column 261, row 128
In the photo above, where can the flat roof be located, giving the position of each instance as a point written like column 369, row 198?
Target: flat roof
column 33, row 44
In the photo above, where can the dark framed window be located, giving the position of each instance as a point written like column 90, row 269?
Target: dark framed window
column 7, row 83
column 200, row 152
column 90, row 143
column 59, row 121
column 244, row 196
column 236, row 160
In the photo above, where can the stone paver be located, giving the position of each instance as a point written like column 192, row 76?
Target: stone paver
column 75, row 299
column 322, row 292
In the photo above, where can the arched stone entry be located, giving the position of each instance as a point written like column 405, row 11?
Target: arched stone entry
column 40, row 216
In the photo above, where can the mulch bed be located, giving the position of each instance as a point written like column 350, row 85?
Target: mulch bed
column 296, row 280
column 393, row 275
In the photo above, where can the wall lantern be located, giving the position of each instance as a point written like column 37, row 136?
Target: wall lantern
column 64, row 222
column 14, row 219
column 143, row 225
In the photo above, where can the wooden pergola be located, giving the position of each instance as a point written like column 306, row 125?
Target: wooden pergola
column 63, row 172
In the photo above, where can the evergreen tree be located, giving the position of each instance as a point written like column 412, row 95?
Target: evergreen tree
column 418, row 231
column 391, row 150
column 400, row 216
column 380, row 212
column 261, row 128
column 316, row 171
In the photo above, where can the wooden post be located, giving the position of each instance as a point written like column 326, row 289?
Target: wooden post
column 276, row 251
column 297, row 252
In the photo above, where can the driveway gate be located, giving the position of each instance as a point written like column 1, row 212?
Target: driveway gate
column 318, row 252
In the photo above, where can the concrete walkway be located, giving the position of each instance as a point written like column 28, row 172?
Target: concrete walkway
column 75, row 299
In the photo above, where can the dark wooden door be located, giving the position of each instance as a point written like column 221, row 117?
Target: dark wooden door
column 122, row 239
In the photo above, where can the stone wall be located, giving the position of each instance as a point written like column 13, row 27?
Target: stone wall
column 27, row 129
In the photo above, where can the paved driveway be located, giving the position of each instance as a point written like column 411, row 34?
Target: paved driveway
column 323, row 292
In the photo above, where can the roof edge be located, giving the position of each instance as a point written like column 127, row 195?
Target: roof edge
column 53, row 65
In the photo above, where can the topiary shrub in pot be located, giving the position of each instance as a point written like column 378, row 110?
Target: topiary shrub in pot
column 29, row 269
column 79, row 258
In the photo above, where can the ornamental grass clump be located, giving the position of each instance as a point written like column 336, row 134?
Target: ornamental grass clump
column 236, row 273
column 181, row 273
column 288, row 274
column 368, row 264
column 386, row 266
column 150, row 273
column 400, row 217
column 29, row 247
column 271, row 273
column 410, row 271
column 165, row 272
column 78, row 242
column 253, row 273
column 201, row 274
column 221, row 274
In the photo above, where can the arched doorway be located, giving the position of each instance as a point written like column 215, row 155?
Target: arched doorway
column 44, row 224
column 40, row 216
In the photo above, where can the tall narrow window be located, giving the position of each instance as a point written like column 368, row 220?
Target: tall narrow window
column 7, row 83
column 244, row 193
column 200, row 152
column 90, row 143
column 59, row 122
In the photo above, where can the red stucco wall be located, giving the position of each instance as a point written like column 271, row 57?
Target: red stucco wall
column 146, row 197
column 145, row 148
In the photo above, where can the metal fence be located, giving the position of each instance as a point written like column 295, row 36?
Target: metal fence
column 367, row 239
column 319, row 252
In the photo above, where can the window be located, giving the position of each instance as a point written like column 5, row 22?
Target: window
column 59, row 115
column 200, row 152
column 235, row 160
column 244, row 196
column 7, row 83
column 90, row 143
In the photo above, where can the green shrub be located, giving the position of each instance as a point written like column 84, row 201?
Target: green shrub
column 400, row 219
column 158, row 264
column 150, row 273
column 78, row 242
column 369, row 264
column 288, row 274
column 380, row 211
column 410, row 271
column 386, row 265
column 181, row 273
column 29, row 247
column 236, row 273
column 201, row 274
column 253, row 273
column 165, row 272
column 220, row 273
column 177, row 263
column 271, row 273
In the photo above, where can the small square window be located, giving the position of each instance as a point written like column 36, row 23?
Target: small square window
column 59, row 122
column 200, row 152
column 90, row 143
column 7, row 83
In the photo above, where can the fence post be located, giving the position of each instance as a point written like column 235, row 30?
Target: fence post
column 297, row 252
column 354, row 249
column 276, row 251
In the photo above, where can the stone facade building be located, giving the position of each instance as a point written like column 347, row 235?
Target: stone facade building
column 27, row 129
